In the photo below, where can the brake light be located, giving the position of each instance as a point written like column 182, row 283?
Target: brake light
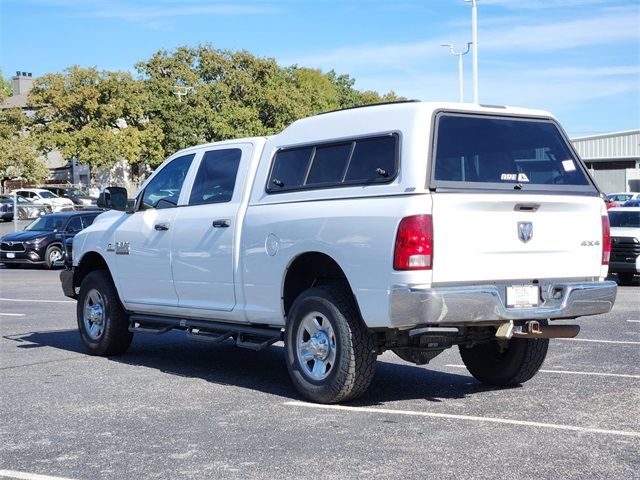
column 414, row 244
column 606, row 240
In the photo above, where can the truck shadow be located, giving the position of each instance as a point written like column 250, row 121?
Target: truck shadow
column 264, row 371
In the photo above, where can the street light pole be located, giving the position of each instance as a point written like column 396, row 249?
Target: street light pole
column 460, row 69
column 474, row 40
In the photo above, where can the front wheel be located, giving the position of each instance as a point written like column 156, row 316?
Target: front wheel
column 513, row 364
column 103, row 323
column 330, row 353
column 52, row 255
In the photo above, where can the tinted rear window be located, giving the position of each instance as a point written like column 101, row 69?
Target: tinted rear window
column 507, row 152
column 362, row 161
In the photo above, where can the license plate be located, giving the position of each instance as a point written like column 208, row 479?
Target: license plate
column 11, row 255
column 523, row 296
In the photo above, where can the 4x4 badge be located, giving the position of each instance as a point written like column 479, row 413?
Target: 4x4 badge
column 525, row 231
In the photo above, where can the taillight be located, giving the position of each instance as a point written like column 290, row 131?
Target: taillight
column 414, row 244
column 606, row 240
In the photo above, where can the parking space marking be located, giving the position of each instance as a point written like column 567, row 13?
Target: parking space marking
column 618, row 342
column 34, row 301
column 634, row 321
column 570, row 372
column 471, row 418
column 12, row 314
column 28, row 476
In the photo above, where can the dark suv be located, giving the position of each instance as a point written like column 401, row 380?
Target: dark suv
column 41, row 242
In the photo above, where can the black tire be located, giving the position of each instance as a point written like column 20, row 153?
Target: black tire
column 519, row 361
column 52, row 254
column 12, row 265
column 105, row 331
column 350, row 364
column 626, row 278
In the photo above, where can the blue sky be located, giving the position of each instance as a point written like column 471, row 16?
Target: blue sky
column 580, row 59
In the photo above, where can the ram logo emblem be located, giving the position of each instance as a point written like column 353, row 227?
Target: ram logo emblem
column 525, row 231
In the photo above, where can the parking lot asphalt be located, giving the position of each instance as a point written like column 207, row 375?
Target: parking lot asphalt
column 175, row 408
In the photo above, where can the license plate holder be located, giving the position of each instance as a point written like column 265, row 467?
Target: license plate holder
column 11, row 255
column 523, row 296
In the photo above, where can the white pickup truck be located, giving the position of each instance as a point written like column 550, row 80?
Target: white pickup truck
column 409, row 226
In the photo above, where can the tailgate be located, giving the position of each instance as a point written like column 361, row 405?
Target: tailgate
column 508, row 236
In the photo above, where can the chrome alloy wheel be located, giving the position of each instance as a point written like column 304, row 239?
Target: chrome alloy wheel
column 54, row 256
column 316, row 346
column 94, row 314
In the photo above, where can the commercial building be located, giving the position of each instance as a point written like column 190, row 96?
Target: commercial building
column 613, row 159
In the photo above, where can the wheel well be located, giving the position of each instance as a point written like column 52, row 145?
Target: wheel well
column 308, row 270
column 90, row 262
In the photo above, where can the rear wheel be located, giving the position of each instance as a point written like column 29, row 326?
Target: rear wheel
column 516, row 363
column 330, row 353
column 103, row 323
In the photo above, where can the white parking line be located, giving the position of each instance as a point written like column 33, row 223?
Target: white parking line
column 29, row 300
column 634, row 321
column 471, row 418
column 570, row 372
column 28, row 476
column 618, row 342
column 12, row 314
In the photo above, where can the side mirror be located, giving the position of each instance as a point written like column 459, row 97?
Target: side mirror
column 113, row 198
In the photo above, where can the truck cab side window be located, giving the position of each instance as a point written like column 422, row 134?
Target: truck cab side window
column 163, row 190
column 216, row 177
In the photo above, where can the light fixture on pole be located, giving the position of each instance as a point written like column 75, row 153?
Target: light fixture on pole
column 460, row 70
column 181, row 91
column 474, row 41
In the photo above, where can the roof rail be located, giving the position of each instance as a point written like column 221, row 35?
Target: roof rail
column 369, row 105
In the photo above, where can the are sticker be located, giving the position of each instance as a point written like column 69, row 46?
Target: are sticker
column 514, row 177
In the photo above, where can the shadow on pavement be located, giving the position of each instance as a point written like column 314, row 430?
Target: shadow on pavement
column 264, row 371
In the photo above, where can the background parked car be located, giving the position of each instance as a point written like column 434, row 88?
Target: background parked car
column 41, row 242
column 45, row 197
column 76, row 195
column 621, row 197
column 625, row 243
column 26, row 208
column 632, row 203
column 607, row 202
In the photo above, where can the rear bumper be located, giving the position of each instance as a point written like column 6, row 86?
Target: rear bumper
column 486, row 304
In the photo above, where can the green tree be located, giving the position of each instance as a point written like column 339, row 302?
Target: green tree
column 18, row 155
column 95, row 116
column 203, row 94
column 5, row 88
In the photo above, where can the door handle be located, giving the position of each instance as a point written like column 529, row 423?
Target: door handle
column 161, row 227
column 220, row 223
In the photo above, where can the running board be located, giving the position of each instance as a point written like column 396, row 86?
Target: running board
column 246, row 336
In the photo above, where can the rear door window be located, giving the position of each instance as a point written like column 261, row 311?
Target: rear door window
column 216, row 177
column 493, row 152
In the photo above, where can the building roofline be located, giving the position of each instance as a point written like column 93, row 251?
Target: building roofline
column 606, row 135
